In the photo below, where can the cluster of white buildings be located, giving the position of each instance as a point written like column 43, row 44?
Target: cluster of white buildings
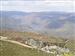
column 55, row 49
column 46, row 48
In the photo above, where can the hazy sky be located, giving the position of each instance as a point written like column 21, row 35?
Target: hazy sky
column 36, row 0
column 37, row 6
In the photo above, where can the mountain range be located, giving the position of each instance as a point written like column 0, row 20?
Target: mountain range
column 60, row 24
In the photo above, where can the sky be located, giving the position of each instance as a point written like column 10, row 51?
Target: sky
column 36, row 0
column 37, row 5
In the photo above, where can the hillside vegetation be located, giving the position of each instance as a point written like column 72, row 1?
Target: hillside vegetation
column 22, row 35
column 10, row 49
column 34, row 35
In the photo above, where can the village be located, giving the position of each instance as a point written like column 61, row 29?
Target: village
column 40, row 45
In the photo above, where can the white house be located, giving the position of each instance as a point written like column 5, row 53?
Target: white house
column 53, row 47
column 63, row 50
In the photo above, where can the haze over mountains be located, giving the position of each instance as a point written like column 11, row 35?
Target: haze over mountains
column 50, row 23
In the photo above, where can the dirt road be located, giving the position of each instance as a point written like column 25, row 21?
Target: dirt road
column 16, row 42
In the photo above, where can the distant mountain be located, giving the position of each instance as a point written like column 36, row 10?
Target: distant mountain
column 51, row 23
